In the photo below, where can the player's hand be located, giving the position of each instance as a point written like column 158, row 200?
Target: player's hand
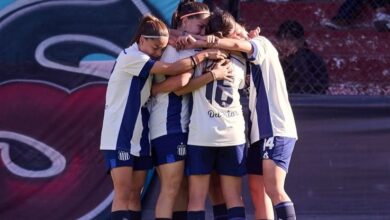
column 153, row 91
column 211, row 40
column 223, row 70
column 172, row 40
column 254, row 33
column 215, row 54
column 185, row 41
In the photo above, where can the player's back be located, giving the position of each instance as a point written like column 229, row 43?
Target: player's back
column 216, row 116
column 271, row 113
column 169, row 112
column 127, row 91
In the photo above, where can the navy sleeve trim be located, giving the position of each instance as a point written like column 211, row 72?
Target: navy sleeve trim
column 253, row 56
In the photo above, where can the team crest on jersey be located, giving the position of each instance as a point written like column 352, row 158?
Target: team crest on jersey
column 123, row 155
column 181, row 149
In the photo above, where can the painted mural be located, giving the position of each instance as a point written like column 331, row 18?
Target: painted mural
column 55, row 61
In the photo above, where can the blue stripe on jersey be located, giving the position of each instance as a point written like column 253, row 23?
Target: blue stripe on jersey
column 249, row 124
column 174, row 114
column 190, row 104
column 262, row 107
column 133, row 106
column 146, row 69
column 254, row 48
column 145, row 142
column 252, row 58
column 130, row 115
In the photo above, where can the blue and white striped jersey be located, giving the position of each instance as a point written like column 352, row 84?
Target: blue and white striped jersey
column 125, row 123
column 169, row 113
column 217, row 118
column 270, row 109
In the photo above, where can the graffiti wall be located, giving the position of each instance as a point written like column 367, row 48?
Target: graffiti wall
column 55, row 60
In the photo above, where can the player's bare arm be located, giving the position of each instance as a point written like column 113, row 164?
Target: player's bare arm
column 187, row 64
column 241, row 43
column 234, row 44
column 222, row 70
column 171, row 84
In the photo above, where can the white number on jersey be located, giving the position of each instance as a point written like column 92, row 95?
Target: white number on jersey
column 268, row 143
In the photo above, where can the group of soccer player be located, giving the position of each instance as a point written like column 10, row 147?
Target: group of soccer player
column 177, row 108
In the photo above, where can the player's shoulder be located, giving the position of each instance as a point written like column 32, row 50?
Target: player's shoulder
column 187, row 53
column 133, row 53
column 170, row 50
column 264, row 43
column 131, row 59
column 260, row 39
column 238, row 58
column 170, row 54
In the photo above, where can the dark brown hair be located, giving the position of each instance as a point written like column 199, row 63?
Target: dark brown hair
column 290, row 29
column 186, row 7
column 150, row 25
column 293, row 31
column 221, row 22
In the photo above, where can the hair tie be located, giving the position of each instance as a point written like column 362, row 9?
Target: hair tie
column 195, row 13
column 153, row 36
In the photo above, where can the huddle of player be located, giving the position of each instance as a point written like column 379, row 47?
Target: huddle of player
column 178, row 109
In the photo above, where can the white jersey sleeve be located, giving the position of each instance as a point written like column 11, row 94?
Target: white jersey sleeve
column 125, row 123
column 271, row 113
column 260, row 47
column 169, row 112
column 170, row 55
column 217, row 118
column 131, row 61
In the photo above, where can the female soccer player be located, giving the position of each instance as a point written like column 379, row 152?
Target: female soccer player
column 170, row 113
column 273, row 127
column 124, row 139
column 216, row 137
column 272, row 122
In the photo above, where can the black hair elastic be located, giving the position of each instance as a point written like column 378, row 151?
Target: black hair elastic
column 193, row 61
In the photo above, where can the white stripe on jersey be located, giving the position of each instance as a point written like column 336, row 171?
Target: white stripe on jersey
column 125, row 123
column 271, row 113
column 217, row 118
column 169, row 113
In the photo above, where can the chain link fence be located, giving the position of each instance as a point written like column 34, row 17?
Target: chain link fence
column 336, row 47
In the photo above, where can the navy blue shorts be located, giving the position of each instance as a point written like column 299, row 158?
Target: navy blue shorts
column 169, row 148
column 228, row 161
column 278, row 149
column 254, row 160
column 123, row 158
